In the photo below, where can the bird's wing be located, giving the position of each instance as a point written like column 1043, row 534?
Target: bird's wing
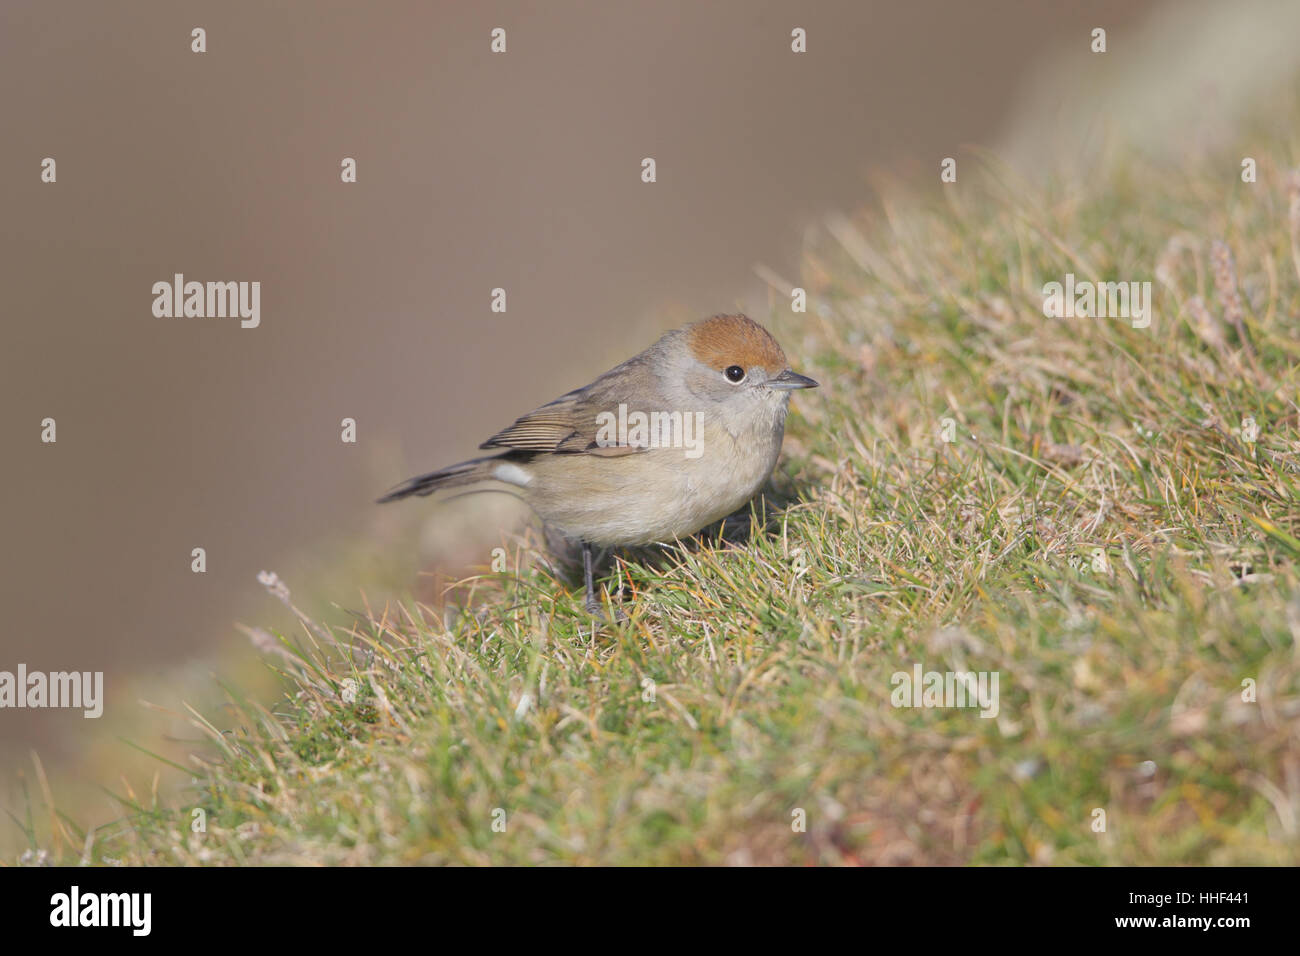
column 568, row 425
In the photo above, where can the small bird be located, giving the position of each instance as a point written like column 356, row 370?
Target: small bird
column 655, row 449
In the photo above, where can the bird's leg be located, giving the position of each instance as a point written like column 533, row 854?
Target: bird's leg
column 594, row 607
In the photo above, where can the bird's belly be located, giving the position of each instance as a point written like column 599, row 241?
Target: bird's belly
column 633, row 499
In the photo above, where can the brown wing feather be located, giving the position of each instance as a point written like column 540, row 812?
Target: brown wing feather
column 567, row 425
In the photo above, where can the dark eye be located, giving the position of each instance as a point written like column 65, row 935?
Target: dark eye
column 734, row 373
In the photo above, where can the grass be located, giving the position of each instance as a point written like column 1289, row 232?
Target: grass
column 1101, row 532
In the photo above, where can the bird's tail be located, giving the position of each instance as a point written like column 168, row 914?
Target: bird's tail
column 453, row 476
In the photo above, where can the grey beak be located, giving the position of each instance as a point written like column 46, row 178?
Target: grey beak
column 789, row 380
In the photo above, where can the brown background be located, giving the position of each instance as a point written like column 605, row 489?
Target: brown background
column 475, row 171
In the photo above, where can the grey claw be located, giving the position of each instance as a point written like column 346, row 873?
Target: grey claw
column 597, row 610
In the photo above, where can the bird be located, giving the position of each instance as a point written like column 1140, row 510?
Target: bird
column 660, row 446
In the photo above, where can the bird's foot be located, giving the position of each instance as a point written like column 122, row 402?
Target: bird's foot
column 597, row 610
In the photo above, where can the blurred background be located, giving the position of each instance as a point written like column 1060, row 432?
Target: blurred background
column 475, row 171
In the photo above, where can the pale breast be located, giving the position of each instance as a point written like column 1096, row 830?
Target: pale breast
column 655, row 495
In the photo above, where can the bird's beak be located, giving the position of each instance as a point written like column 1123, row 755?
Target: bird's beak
column 788, row 380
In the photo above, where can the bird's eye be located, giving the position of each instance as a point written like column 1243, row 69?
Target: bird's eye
column 734, row 373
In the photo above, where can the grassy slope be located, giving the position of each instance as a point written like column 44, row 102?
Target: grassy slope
column 771, row 659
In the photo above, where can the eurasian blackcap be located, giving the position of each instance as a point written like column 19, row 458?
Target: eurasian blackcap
column 653, row 450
